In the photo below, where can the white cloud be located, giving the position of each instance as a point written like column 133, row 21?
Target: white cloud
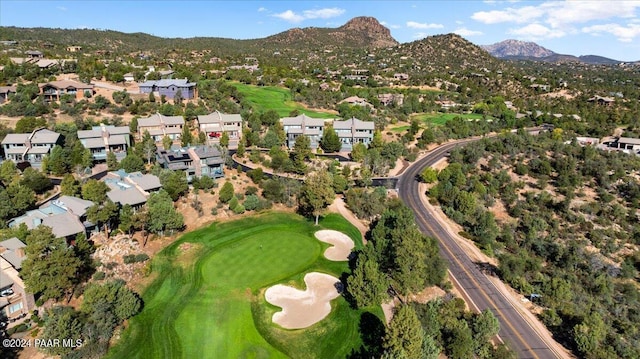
column 519, row 15
column 423, row 26
column 560, row 13
column 262, row 9
column 536, row 31
column 289, row 16
column 622, row 33
column 391, row 26
column 463, row 31
column 325, row 13
column 61, row 8
column 458, row 22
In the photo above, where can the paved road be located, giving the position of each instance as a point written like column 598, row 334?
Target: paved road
column 515, row 331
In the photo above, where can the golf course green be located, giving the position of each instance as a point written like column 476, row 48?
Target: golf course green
column 206, row 299
column 264, row 98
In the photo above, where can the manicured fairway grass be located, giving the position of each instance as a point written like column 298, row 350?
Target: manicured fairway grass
column 437, row 119
column 275, row 98
column 208, row 301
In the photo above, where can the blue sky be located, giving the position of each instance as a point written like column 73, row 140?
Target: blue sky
column 606, row 28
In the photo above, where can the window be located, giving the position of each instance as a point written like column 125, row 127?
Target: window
column 16, row 307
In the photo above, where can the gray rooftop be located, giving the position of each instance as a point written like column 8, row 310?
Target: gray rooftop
column 64, row 224
column 158, row 119
column 75, row 205
column 353, row 123
column 145, row 181
column 302, row 120
column 38, row 136
column 12, row 244
column 167, row 83
column 218, row 117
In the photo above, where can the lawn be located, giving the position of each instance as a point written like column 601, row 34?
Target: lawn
column 437, row 119
column 264, row 98
column 208, row 301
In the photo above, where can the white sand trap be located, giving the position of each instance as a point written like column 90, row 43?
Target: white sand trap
column 342, row 244
column 303, row 308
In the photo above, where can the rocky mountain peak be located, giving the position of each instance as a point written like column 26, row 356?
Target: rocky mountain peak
column 518, row 48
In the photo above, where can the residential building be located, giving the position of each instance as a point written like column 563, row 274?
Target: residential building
column 5, row 92
column 14, row 299
column 66, row 216
column 622, row 143
column 305, row 126
column 602, row 101
column 195, row 161
column 387, row 99
column 169, row 88
column 74, row 48
column 31, row 147
column 131, row 188
column 217, row 123
column 353, row 131
column 129, row 77
column 103, row 139
column 160, row 125
column 356, row 101
column 401, row 76
column 34, row 54
column 52, row 91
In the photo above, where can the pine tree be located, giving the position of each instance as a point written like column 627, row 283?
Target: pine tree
column 404, row 335
column 316, row 194
column 330, row 141
column 51, row 266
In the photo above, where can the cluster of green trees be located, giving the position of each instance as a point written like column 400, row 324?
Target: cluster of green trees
column 590, row 296
column 104, row 307
column 397, row 255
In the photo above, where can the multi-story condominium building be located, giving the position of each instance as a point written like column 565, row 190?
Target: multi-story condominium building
column 217, row 123
column 66, row 216
column 170, row 87
column 14, row 299
column 31, row 147
column 353, row 131
column 195, row 161
column 102, row 139
column 131, row 188
column 159, row 126
column 305, row 126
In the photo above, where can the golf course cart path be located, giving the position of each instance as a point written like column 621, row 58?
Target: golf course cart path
column 303, row 308
column 341, row 244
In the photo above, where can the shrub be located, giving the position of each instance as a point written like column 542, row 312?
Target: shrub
column 99, row 275
column 251, row 190
column 256, row 175
column 233, row 203
column 135, row 258
column 226, row 193
column 214, row 211
column 239, row 209
column 251, row 202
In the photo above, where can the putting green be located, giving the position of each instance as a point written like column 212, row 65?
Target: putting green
column 208, row 301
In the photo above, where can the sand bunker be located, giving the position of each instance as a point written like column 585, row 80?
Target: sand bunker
column 342, row 244
column 303, row 308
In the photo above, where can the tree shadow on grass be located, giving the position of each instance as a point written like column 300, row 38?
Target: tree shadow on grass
column 372, row 330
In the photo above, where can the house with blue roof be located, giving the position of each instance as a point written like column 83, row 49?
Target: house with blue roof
column 169, row 88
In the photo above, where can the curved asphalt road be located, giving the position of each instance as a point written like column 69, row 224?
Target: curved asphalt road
column 515, row 331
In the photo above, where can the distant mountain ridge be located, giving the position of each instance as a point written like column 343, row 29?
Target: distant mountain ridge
column 524, row 50
column 518, row 48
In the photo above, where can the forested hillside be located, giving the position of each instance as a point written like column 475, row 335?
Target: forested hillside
column 563, row 221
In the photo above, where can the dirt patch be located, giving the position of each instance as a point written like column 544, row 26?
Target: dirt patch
column 341, row 244
column 303, row 308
